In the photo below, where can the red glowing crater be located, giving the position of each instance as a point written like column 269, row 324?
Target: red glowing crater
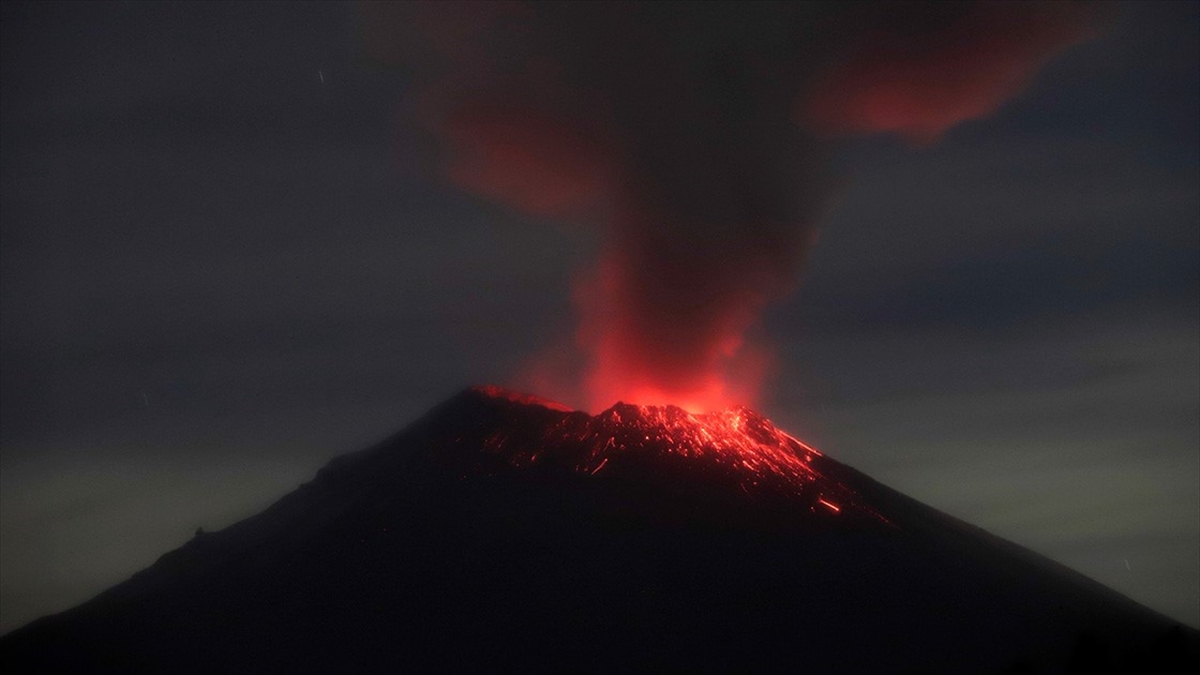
column 735, row 447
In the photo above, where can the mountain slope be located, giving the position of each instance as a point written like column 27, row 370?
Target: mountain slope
column 501, row 532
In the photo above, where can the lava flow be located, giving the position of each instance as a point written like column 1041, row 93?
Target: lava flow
column 735, row 447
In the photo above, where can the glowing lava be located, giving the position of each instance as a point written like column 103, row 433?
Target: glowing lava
column 735, row 447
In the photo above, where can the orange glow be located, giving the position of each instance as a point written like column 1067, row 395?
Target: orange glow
column 687, row 348
column 735, row 443
column 706, row 205
column 736, row 437
column 834, row 507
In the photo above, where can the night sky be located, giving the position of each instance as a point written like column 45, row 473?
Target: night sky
column 226, row 260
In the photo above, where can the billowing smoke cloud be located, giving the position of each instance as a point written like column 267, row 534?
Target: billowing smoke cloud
column 918, row 69
column 696, row 137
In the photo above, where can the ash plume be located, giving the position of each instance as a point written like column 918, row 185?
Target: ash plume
column 918, row 70
column 696, row 137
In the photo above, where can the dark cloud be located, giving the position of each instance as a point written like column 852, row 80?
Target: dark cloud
column 918, row 69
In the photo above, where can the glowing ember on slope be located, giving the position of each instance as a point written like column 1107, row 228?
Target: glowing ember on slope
column 735, row 437
column 735, row 446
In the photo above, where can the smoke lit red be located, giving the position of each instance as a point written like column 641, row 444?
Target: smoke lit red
column 691, row 135
column 920, row 79
column 667, row 348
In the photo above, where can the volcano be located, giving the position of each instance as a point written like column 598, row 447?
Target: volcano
column 502, row 532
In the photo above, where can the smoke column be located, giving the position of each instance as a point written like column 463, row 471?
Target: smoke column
column 696, row 136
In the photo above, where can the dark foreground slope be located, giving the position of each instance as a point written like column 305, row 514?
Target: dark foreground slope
column 498, row 533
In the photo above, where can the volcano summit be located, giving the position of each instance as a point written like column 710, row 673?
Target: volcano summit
column 504, row 532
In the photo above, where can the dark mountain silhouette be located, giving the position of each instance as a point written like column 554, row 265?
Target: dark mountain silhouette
column 505, row 533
